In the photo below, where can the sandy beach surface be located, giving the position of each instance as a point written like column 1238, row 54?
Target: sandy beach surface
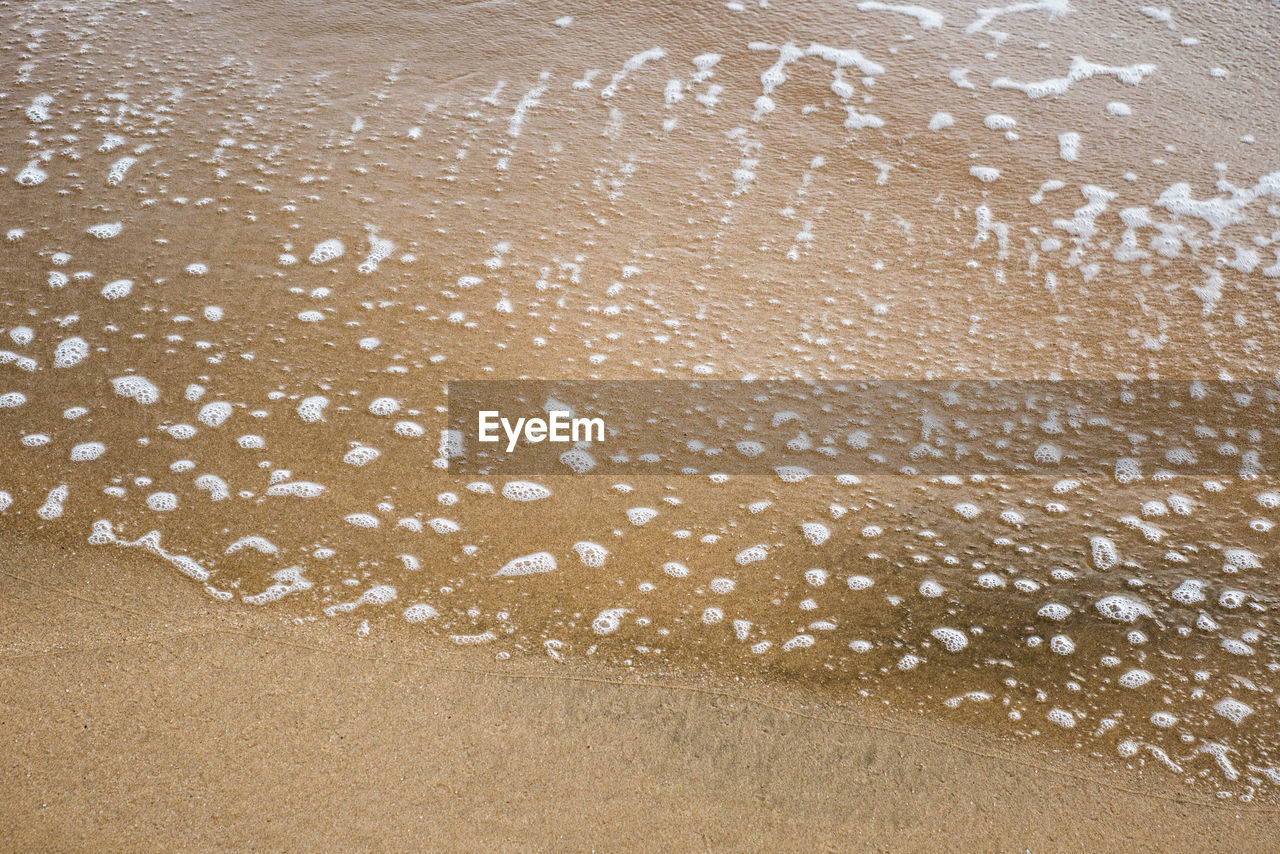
column 934, row 502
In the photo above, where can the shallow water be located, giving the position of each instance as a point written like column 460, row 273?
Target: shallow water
column 247, row 249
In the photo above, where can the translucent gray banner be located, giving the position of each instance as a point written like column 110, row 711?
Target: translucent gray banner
column 1129, row 430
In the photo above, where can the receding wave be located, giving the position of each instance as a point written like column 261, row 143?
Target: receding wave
column 243, row 269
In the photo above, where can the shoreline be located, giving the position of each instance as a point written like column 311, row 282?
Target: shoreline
column 212, row 723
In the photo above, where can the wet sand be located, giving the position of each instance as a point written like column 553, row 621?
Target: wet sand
column 253, row 596
column 224, row 731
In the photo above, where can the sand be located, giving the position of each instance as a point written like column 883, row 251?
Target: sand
column 227, row 731
column 249, row 246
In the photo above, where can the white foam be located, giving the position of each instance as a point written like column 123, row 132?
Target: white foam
column 1233, row 710
column 289, row 580
column 1054, row 611
column 214, row 414
column 115, row 175
column 103, row 534
column 529, row 101
column 296, row 489
column 986, row 16
column 1189, row 592
column 722, row 585
column 608, row 621
column 1062, row 718
column 137, row 388
column 1081, row 69
column 326, row 251
column 641, row 515
column 70, row 352
column 530, row 564
column 1219, row 211
column 379, row 594
column 86, row 451
column 1123, row 608
column 311, row 409
column 379, row 250
column 1069, row 146
column 384, row 406
column 591, row 554
column 420, row 613
column 106, row 230
column 633, row 64
column 815, row 532
column 119, row 289
column 1134, row 678
column 38, row 112
column 927, row 18
column 215, row 486
column 953, row 640
column 162, row 502
column 1104, row 552
column 31, row 175
column 524, row 490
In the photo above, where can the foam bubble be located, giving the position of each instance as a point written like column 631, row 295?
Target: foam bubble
column 591, row 554
column 815, row 532
column 214, row 414
column 162, row 502
column 361, row 455
column 931, row 589
column 326, row 251
column 1134, row 678
column 31, row 175
column 1233, row 710
column 384, row 406
column 1104, row 552
column 115, row 175
column 137, row 388
column 70, row 352
column 106, row 230
column 722, row 585
column 953, row 640
column 641, row 515
column 524, row 490
column 420, row 613
column 530, row 564
column 297, row 489
column 52, row 507
column 1062, row 718
column 119, row 289
column 608, row 621
column 214, row 485
column 1123, row 608
column 87, row 451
